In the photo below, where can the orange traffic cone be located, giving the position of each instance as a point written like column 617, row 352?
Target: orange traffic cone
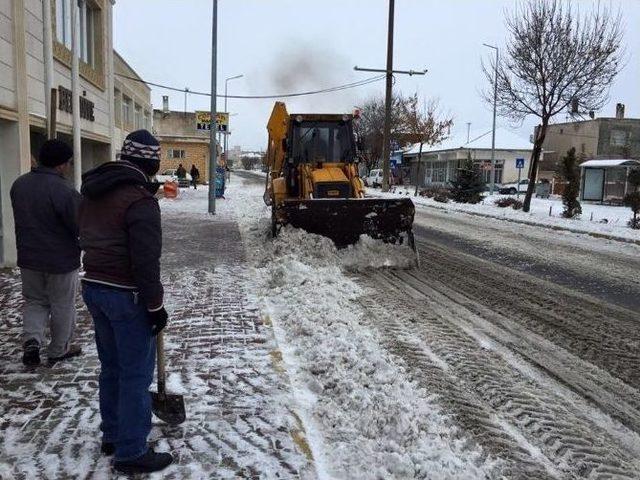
column 170, row 189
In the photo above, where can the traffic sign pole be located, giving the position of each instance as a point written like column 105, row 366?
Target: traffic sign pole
column 519, row 166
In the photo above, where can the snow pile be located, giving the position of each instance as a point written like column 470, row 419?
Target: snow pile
column 364, row 418
column 599, row 219
column 317, row 250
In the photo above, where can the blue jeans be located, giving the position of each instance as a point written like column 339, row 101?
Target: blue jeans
column 126, row 349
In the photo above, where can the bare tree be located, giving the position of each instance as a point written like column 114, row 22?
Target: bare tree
column 370, row 126
column 423, row 126
column 555, row 58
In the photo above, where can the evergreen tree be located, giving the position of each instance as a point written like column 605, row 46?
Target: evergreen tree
column 468, row 186
column 632, row 199
column 571, row 174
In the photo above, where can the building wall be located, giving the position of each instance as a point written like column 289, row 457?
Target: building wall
column 22, row 98
column 7, row 62
column 597, row 138
column 140, row 95
column 613, row 130
column 196, row 153
column 454, row 158
column 561, row 137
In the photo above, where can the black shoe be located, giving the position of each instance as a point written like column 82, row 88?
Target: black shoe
column 31, row 355
column 147, row 463
column 74, row 351
column 108, row 448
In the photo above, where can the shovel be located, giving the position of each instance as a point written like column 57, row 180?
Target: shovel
column 167, row 407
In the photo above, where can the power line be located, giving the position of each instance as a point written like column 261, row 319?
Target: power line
column 346, row 86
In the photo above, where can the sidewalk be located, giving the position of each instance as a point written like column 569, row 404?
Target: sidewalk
column 219, row 355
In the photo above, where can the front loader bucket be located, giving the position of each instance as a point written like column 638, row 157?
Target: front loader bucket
column 344, row 220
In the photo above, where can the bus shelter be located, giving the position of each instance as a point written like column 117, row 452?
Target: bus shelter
column 606, row 181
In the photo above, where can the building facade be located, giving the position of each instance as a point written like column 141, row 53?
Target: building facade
column 597, row 138
column 181, row 142
column 440, row 163
column 131, row 101
column 26, row 68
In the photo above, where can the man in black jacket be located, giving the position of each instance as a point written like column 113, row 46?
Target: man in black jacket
column 45, row 209
column 121, row 235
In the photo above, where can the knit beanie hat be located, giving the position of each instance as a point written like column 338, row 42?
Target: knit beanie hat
column 54, row 153
column 142, row 149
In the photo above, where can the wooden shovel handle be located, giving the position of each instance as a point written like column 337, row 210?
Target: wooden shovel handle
column 160, row 360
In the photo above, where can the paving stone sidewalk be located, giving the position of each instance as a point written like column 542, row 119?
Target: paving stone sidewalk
column 219, row 355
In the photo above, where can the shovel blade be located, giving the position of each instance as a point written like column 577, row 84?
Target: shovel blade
column 168, row 407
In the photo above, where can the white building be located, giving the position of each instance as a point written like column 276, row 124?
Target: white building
column 441, row 162
column 27, row 65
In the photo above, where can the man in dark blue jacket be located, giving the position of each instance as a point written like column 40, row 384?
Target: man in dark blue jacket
column 45, row 209
column 121, row 235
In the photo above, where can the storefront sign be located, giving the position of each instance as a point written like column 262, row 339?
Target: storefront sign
column 66, row 105
column 203, row 121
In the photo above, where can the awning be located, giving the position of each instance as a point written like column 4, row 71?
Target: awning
column 611, row 163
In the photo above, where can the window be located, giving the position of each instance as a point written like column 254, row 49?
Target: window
column 126, row 110
column 439, row 173
column 63, row 22
column 618, row 138
column 86, row 28
column 138, row 117
column 321, row 142
column 175, row 153
column 117, row 106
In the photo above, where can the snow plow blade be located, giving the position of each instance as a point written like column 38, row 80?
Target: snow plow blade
column 344, row 220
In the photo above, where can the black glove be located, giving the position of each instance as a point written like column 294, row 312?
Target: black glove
column 158, row 320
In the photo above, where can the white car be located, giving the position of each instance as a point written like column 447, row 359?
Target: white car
column 170, row 176
column 374, row 179
column 513, row 188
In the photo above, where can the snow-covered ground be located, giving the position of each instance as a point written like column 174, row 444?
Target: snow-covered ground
column 598, row 219
column 365, row 418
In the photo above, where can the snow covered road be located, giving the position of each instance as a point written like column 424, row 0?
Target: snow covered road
column 522, row 343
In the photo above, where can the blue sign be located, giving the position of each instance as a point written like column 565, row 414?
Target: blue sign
column 396, row 158
column 519, row 162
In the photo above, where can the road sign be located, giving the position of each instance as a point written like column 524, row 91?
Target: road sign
column 519, row 166
column 203, row 121
column 396, row 158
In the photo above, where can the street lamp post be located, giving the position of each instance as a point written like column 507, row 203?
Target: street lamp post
column 226, row 84
column 213, row 149
column 493, row 135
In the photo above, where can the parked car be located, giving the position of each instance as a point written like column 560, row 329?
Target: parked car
column 170, row 176
column 374, row 179
column 513, row 188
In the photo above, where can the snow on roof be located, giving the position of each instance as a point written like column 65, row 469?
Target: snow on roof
column 505, row 140
column 610, row 163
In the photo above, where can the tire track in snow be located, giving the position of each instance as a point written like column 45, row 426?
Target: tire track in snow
column 480, row 385
column 600, row 333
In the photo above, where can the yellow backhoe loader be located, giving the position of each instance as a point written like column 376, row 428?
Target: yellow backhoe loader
column 313, row 183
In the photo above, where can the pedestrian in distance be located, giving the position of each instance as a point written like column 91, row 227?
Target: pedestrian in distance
column 45, row 209
column 181, row 172
column 195, row 176
column 121, row 235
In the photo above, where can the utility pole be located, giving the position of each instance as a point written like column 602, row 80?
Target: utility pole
column 213, row 149
column 389, row 71
column 186, row 92
column 493, row 134
column 75, row 96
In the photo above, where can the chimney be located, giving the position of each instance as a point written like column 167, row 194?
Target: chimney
column 619, row 111
column 165, row 104
column 574, row 105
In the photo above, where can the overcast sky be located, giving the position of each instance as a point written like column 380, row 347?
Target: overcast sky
column 295, row 45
